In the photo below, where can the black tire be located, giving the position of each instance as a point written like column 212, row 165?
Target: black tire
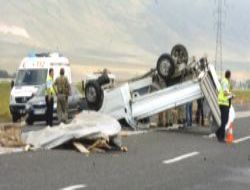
column 165, row 66
column 15, row 117
column 94, row 95
column 29, row 120
column 180, row 53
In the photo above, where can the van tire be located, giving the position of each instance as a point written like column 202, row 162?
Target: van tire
column 182, row 53
column 15, row 117
column 165, row 66
column 94, row 95
column 29, row 121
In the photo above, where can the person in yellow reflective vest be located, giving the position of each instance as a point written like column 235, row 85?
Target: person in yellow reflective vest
column 224, row 101
column 49, row 97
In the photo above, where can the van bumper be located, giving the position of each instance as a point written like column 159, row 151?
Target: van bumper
column 17, row 110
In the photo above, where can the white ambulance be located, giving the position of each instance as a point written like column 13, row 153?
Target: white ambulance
column 31, row 75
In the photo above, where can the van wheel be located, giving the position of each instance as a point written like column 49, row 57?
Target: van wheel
column 29, row 121
column 165, row 66
column 94, row 95
column 180, row 53
column 15, row 117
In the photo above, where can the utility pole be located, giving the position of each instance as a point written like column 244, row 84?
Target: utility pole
column 219, row 25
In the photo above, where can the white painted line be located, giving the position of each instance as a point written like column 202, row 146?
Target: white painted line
column 4, row 150
column 130, row 133
column 241, row 139
column 242, row 114
column 179, row 158
column 74, row 187
column 210, row 136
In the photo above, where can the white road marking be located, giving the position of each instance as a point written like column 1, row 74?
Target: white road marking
column 74, row 187
column 4, row 150
column 179, row 158
column 241, row 139
column 130, row 133
column 210, row 136
column 242, row 114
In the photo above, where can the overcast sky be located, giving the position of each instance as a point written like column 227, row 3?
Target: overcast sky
column 133, row 32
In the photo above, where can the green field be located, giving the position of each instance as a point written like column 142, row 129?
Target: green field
column 242, row 96
column 4, row 101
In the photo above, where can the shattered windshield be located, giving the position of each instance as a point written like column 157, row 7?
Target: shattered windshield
column 31, row 77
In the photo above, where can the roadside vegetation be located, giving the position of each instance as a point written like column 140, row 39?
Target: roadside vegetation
column 4, row 102
column 242, row 97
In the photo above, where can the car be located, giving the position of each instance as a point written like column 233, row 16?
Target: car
column 36, row 106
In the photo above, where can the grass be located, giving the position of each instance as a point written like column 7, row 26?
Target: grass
column 4, row 102
column 242, row 96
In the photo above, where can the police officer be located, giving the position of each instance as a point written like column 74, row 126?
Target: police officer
column 224, row 97
column 63, row 91
column 49, row 97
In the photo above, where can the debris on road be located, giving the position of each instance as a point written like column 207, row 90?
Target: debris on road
column 10, row 138
column 100, row 130
column 10, row 135
column 81, row 148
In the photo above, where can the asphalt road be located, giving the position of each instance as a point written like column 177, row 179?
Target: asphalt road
column 179, row 159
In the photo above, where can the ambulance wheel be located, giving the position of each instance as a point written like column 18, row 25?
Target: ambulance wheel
column 94, row 95
column 15, row 117
column 180, row 53
column 165, row 66
column 29, row 121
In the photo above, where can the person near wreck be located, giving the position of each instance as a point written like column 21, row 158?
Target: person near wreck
column 49, row 97
column 63, row 91
column 224, row 101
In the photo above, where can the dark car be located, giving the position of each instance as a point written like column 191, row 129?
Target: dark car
column 36, row 106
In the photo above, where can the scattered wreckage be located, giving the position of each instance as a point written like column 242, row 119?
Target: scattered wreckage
column 87, row 125
column 174, row 82
column 98, row 131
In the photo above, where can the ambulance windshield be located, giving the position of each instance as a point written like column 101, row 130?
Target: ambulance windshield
column 31, row 77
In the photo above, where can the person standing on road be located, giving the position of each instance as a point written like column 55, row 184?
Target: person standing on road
column 165, row 118
column 181, row 115
column 224, row 97
column 49, row 98
column 199, row 116
column 63, row 90
column 189, row 114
